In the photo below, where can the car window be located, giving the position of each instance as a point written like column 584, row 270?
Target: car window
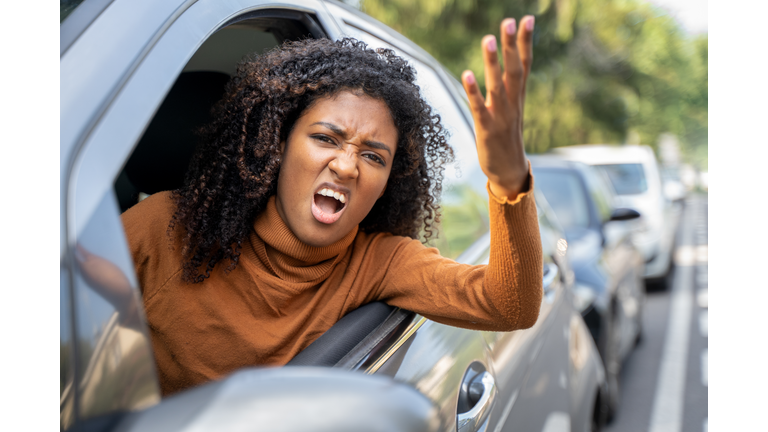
column 565, row 194
column 161, row 158
column 113, row 357
column 66, row 353
column 627, row 179
column 464, row 200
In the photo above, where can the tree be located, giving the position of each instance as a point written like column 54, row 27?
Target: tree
column 604, row 71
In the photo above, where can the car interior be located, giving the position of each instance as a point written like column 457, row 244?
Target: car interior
column 161, row 158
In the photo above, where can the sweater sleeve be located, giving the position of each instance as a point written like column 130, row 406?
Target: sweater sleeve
column 504, row 295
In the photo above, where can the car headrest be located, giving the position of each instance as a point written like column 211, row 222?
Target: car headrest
column 162, row 157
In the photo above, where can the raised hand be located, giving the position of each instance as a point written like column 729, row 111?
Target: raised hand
column 499, row 116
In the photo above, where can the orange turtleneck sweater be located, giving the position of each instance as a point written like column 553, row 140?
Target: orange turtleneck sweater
column 284, row 294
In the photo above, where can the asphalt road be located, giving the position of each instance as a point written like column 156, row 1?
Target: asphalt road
column 664, row 381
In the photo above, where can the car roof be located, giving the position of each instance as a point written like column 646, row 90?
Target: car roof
column 606, row 154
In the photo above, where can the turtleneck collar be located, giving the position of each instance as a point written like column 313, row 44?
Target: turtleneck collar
column 289, row 258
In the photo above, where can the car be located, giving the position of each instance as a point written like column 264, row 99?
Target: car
column 608, row 268
column 137, row 78
column 674, row 189
column 634, row 174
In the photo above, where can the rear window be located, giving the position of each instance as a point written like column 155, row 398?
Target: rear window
column 565, row 194
column 627, row 179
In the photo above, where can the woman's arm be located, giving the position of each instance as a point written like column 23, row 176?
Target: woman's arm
column 506, row 294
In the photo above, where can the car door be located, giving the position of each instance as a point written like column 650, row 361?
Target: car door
column 529, row 367
column 115, row 74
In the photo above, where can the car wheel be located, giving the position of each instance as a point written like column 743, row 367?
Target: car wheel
column 658, row 284
column 639, row 335
column 599, row 412
column 612, row 371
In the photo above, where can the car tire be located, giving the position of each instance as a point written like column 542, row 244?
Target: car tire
column 659, row 284
column 639, row 335
column 599, row 413
column 613, row 371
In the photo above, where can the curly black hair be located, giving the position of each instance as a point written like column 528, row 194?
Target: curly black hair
column 235, row 169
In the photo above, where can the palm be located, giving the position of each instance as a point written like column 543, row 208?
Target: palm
column 499, row 116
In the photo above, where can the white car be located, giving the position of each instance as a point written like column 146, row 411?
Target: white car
column 634, row 173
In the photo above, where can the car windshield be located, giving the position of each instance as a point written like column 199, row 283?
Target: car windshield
column 565, row 194
column 627, row 179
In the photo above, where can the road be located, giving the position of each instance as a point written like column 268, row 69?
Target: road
column 664, row 381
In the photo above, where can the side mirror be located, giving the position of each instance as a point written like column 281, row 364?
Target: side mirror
column 291, row 399
column 623, row 214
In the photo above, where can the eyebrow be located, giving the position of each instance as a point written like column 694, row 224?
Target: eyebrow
column 338, row 131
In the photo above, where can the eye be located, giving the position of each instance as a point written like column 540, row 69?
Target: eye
column 324, row 138
column 375, row 158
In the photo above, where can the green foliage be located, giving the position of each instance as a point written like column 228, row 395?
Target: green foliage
column 604, row 71
column 465, row 219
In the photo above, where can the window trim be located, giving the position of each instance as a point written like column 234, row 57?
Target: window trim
column 78, row 20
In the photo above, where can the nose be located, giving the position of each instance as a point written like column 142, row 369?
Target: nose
column 344, row 165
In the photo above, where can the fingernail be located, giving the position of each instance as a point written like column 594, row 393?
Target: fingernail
column 511, row 27
column 529, row 23
column 470, row 78
column 492, row 44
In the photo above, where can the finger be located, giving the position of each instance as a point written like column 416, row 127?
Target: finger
column 495, row 94
column 525, row 43
column 513, row 67
column 476, row 100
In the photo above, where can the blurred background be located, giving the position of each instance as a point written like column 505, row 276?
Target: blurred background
column 604, row 71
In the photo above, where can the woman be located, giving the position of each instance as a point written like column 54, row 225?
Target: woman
column 304, row 202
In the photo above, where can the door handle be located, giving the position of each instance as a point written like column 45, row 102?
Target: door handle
column 551, row 271
column 482, row 391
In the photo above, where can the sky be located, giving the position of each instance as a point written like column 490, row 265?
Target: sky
column 692, row 14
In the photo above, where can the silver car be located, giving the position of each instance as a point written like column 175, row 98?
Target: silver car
column 137, row 76
column 634, row 173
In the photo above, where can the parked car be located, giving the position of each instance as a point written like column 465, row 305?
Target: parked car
column 634, row 173
column 137, row 77
column 609, row 289
column 673, row 187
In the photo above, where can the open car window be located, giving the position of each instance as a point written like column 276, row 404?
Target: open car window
column 139, row 143
column 161, row 158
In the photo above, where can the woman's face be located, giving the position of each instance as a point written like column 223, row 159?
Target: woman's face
column 342, row 146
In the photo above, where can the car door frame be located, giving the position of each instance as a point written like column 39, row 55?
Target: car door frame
column 103, row 117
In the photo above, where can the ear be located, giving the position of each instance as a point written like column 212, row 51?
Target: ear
column 382, row 191
column 282, row 146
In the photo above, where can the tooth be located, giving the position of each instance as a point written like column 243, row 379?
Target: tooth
column 336, row 195
column 324, row 192
column 343, row 199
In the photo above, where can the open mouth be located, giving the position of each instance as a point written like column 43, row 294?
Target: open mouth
column 328, row 205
